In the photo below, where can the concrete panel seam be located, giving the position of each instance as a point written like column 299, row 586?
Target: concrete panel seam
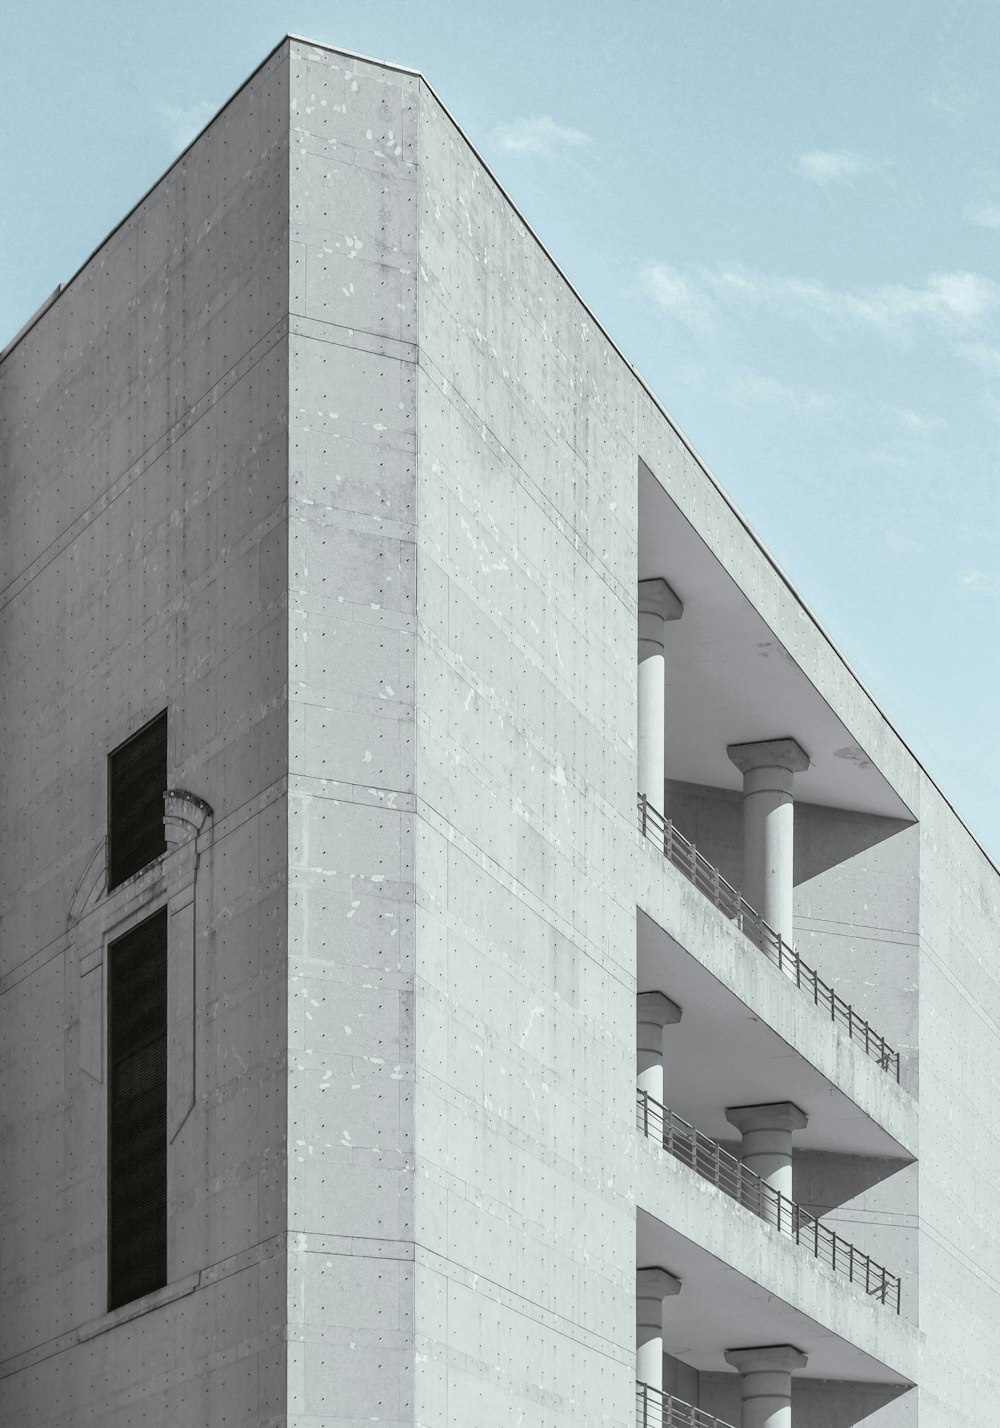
column 314, row 329
column 148, row 458
column 622, row 592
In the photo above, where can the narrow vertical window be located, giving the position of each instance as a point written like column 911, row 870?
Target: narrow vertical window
column 137, row 1111
column 137, row 781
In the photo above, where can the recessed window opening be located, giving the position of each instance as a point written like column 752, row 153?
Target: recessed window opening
column 137, row 781
column 137, row 1111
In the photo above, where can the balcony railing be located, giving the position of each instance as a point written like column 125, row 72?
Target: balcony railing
column 730, row 1175
column 656, row 1409
column 698, row 870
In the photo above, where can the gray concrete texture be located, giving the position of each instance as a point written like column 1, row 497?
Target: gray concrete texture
column 144, row 533
column 321, row 452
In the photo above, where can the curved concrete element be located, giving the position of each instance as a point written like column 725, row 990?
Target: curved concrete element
column 657, row 605
column 767, row 1140
column 654, row 1012
column 184, row 816
column 653, row 1284
column 766, row 1375
column 768, row 770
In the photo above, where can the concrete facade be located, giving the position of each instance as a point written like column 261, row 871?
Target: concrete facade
column 321, row 453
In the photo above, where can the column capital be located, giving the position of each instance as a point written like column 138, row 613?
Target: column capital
column 656, row 1009
column 777, row 1115
column 768, row 1358
column 653, row 1284
column 786, row 753
column 652, row 1281
column 657, row 598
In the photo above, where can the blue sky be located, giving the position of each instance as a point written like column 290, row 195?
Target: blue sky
column 786, row 213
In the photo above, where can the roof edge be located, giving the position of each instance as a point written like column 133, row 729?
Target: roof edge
column 703, row 466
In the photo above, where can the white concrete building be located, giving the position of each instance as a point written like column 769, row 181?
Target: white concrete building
column 324, row 999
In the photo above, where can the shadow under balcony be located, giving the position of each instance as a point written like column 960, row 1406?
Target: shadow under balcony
column 746, row 1018
column 745, row 1280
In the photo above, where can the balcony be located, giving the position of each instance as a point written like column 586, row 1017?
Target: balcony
column 656, row 1409
column 708, row 880
column 709, row 1160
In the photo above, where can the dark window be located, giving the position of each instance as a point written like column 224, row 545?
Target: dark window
column 137, row 1111
column 137, row 781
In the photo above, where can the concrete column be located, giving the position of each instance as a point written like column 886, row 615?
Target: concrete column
column 768, row 827
column 654, row 1011
column 657, row 605
column 766, row 1375
column 767, row 1145
column 653, row 1284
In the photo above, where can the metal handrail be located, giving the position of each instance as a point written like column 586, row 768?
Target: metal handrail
column 706, row 1156
column 699, row 871
column 656, row 1409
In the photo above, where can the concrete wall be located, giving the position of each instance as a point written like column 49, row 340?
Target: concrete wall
column 505, row 821
column 526, row 503
column 959, row 1133
column 321, row 453
column 143, row 566
column 351, row 629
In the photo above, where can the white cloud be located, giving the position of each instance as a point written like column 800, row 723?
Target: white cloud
column 981, row 354
column 918, row 421
column 953, row 299
column 181, row 125
column 541, row 135
column 752, row 389
column 979, row 582
column 825, row 166
column 987, row 214
column 950, row 300
column 677, row 297
column 902, row 545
